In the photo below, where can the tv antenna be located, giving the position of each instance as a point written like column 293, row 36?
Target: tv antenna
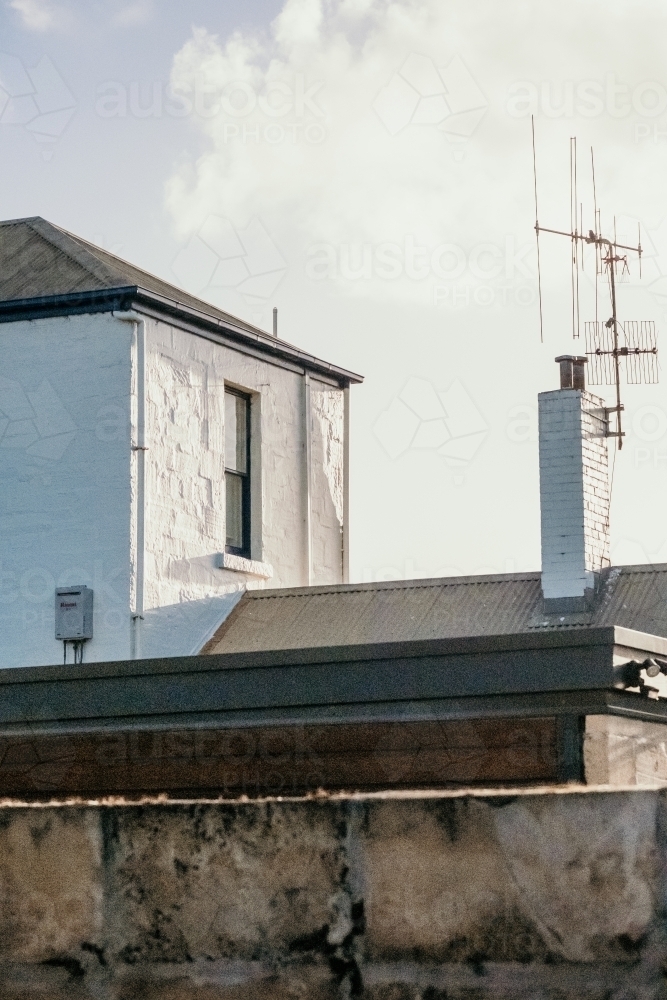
column 607, row 341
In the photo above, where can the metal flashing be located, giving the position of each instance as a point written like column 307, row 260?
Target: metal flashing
column 577, row 670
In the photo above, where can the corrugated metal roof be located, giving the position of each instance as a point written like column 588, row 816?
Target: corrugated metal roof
column 631, row 596
column 39, row 260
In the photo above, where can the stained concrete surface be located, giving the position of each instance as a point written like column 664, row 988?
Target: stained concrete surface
column 620, row 751
column 551, row 895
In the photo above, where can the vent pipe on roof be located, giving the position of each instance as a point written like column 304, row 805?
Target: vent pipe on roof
column 275, row 321
column 574, row 490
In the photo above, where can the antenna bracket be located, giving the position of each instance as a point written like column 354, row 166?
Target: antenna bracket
column 608, row 410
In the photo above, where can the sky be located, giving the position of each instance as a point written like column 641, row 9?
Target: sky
column 366, row 167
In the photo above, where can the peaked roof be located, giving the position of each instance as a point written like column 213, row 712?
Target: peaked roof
column 44, row 267
column 633, row 597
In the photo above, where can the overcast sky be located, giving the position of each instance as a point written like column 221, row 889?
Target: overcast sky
column 366, row 167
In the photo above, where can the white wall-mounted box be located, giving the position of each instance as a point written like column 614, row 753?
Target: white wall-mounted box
column 74, row 613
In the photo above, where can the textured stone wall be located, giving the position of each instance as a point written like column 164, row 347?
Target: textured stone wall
column 328, row 436
column 574, row 491
column 185, row 500
column 551, row 896
column 68, row 477
column 597, row 498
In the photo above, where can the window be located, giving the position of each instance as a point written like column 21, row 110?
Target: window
column 237, row 472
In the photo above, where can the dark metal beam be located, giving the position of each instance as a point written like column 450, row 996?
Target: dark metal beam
column 532, row 674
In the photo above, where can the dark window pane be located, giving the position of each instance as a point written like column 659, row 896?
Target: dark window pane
column 236, row 428
column 234, row 494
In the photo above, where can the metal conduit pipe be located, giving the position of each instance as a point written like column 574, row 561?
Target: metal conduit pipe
column 308, row 479
column 346, row 484
column 139, row 449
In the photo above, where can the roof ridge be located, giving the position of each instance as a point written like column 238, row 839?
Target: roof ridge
column 641, row 568
column 83, row 257
column 20, row 222
column 473, row 579
column 355, row 588
column 94, row 250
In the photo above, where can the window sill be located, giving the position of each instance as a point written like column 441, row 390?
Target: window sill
column 251, row 567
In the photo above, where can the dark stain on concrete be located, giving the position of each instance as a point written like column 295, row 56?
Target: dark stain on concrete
column 72, row 966
column 97, row 951
column 39, row 831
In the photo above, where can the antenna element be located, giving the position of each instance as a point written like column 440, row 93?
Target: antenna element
column 612, row 340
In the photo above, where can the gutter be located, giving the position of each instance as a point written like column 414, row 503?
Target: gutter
column 126, row 297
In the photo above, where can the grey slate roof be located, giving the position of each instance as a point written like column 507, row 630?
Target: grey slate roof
column 39, row 261
column 633, row 597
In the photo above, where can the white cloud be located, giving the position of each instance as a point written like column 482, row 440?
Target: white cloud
column 47, row 15
column 37, row 15
column 313, row 154
column 361, row 125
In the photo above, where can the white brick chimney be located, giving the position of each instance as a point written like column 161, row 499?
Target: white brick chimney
column 574, row 490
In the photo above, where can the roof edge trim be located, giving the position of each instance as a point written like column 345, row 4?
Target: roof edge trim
column 263, row 341
column 45, row 306
column 126, row 297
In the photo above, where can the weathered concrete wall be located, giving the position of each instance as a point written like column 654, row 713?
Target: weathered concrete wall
column 553, row 896
column 620, row 751
column 64, row 481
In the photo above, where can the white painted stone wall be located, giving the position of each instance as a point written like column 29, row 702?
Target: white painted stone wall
column 185, row 501
column 327, row 419
column 64, row 482
column 69, row 484
column 574, row 491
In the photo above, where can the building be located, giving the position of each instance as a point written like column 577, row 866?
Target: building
column 440, row 697
column 154, row 449
column 515, row 679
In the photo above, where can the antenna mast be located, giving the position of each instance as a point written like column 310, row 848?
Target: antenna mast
column 603, row 339
column 537, row 231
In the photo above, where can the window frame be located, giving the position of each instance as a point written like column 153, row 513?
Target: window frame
column 245, row 550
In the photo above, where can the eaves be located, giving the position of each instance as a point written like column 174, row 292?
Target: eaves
column 249, row 340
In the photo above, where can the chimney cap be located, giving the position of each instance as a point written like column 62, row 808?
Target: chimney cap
column 572, row 371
